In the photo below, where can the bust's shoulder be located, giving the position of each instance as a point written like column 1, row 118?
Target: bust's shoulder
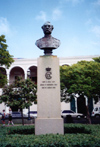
column 39, row 40
column 54, row 39
column 49, row 42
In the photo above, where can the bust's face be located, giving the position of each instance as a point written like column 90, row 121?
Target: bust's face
column 47, row 28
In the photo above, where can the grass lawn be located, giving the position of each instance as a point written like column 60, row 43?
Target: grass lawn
column 76, row 135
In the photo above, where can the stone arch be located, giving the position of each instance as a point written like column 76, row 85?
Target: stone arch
column 3, row 71
column 33, row 73
column 16, row 72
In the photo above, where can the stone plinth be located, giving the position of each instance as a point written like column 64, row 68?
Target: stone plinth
column 49, row 107
column 49, row 126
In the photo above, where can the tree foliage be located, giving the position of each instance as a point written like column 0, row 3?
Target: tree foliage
column 82, row 79
column 21, row 93
column 97, row 59
column 3, row 77
column 5, row 59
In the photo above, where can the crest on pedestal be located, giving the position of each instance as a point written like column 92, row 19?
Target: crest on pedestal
column 48, row 73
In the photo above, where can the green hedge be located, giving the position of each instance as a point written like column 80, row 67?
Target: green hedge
column 68, row 128
column 76, row 135
column 26, row 130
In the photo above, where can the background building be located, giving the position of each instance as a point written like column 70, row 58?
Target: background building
column 20, row 68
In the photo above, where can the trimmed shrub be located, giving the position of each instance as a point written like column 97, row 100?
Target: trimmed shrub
column 74, row 128
column 23, row 136
column 26, row 130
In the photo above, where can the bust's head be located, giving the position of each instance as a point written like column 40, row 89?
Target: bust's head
column 47, row 28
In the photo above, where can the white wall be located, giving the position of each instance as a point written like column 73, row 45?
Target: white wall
column 2, row 107
column 65, row 106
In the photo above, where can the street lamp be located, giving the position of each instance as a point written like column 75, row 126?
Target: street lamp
column 28, row 75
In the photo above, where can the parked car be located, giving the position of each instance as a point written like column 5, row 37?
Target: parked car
column 96, row 112
column 71, row 113
column 16, row 114
column 33, row 114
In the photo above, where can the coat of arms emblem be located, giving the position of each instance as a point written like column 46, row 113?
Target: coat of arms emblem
column 48, row 73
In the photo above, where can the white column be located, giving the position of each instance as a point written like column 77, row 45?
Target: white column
column 25, row 74
column 76, row 104
column 8, row 77
column 86, row 100
column 6, row 109
column 48, row 106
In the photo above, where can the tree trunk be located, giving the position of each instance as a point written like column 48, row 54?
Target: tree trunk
column 22, row 117
column 88, row 115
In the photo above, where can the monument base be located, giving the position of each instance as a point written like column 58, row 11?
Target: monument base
column 49, row 126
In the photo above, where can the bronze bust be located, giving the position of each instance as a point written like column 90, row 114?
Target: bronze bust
column 48, row 43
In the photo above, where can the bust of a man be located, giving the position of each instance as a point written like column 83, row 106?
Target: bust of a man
column 48, row 43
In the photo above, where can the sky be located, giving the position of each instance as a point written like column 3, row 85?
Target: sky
column 76, row 24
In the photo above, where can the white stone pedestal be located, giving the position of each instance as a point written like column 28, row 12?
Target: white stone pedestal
column 48, row 95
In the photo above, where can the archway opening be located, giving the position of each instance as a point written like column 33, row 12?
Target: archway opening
column 16, row 72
